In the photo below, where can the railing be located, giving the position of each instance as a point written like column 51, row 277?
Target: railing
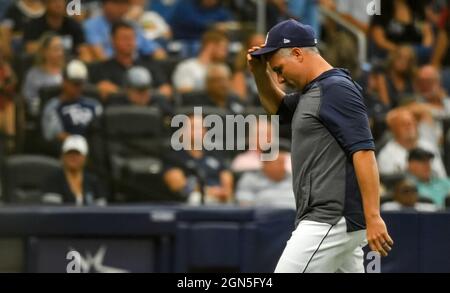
column 360, row 35
column 261, row 6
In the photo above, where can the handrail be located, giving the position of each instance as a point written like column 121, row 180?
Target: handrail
column 360, row 35
column 261, row 21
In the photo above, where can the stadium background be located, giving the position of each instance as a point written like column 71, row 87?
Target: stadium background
column 142, row 212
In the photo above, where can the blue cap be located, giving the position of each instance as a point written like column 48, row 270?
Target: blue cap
column 288, row 34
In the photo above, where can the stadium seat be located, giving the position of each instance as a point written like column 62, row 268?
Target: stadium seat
column 206, row 110
column 168, row 65
column 21, row 64
column 142, row 180
column 425, row 200
column 386, row 198
column 24, row 176
column 133, row 141
column 137, row 129
column 255, row 110
column 389, row 198
column 389, row 181
column 46, row 93
column 192, row 99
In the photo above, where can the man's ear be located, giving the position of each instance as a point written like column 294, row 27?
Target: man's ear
column 298, row 54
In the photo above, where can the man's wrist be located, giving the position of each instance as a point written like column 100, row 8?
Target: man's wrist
column 372, row 216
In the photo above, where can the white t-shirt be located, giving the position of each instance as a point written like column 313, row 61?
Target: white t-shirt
column 255, row 189
column 393, row 158
column 190, row 74
column 153, row 25
column 393, row 206
column 355, row 8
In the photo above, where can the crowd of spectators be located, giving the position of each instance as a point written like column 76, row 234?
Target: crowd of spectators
column 97, row 91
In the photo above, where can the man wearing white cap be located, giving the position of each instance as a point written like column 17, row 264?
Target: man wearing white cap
column 71, row 112
column 73, row 184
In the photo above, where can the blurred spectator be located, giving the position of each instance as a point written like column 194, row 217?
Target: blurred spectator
column 16, row 18
column 396, row 86
column 74, row 185
column 428, row 128
column 307, row 12
column 192, row 18
column 269, row 187
column 70, row 113
column 260, row 136
column 5, row 49
column 429, row 87
column 98, row 32
column 243, row 82
column 340, row 48
column 276, row 11
column 190, row 74
column 433, row 9
column 187, row 170
column 355, row 12
column 91, row 8
column 392, row 158
column 440, row 55
column 218, row 91
column 109, row 75
column 429, row 186
column 8, row 84
column 46, row 72
column 430, row 90
column 402, row 22
column 405, row 198
column 139, row 92
column 245, row 11
column 153, row 25
column 20, row 13
column 371, row 82
column 165, row 8
column 55, row 20
column 4, row 5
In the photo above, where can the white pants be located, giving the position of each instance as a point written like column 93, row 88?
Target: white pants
column 322, row 248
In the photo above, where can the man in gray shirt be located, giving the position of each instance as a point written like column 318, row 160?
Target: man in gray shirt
column 335, row 174
column 269, row 187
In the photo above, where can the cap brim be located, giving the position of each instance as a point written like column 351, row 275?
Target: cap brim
column 427, row 157
column 76, row 80
column 74, row 150
column 139, row 87
column 263, row 51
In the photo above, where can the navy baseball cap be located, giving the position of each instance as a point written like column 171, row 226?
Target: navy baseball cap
column 288, row 34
